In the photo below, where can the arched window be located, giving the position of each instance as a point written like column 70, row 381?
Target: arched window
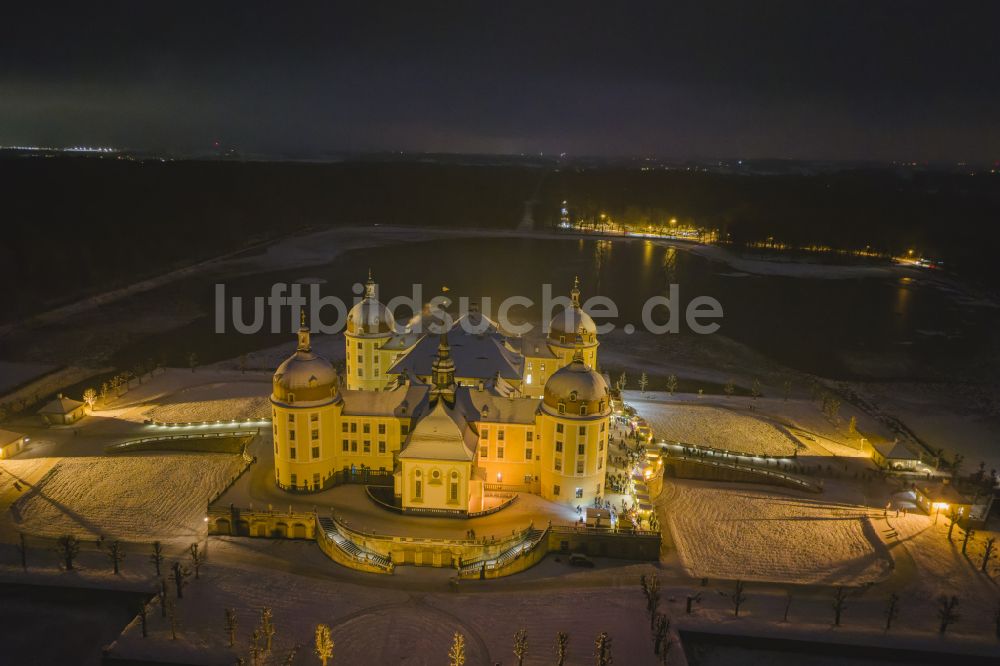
column 562, row 407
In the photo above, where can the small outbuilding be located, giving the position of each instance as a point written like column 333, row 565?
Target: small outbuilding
column 895, row 456
column 942, row 497
column 11, row 443
column 63, row 411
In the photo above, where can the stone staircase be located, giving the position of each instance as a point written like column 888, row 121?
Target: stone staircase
column 531, row 539
column 328, row 529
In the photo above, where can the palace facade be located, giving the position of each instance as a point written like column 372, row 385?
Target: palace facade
column 452, row 416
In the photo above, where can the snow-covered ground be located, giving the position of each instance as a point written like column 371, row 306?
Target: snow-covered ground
column 714, row 426
column 733, row 531
column 134, row 498
column 215, row 401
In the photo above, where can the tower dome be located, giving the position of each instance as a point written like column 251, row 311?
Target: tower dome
column 577, row 389
column 369, row 317
column 572, row 322
column 305, row 376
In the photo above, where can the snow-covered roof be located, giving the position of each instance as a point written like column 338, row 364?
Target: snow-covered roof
column 533, row 345
column 896, row 450
column 402, row 401
column 61, row 405
column 9, row 437
column 440, row 435
column 938, row 491
column 479, row 355
column 490, row 407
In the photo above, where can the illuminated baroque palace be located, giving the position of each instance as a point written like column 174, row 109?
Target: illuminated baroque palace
column 450, row 415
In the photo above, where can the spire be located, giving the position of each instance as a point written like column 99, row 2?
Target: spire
column 443, row 369
column 575, row 293
column 304, row 343
column 578, row 354
column 370, row 286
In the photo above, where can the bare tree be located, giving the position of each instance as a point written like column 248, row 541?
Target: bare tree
column 562, row 639
column 180, row 574
column 68, row 547
column 996, row 620
column 729, row 388
column 755, row 389
column 116, row 553
column 197, row 559
column 987, row 553
column 142, row 617
column 839, row 605
column 456, row 655
column 660, row 633
column 243, row 365
column 256, row 647
column 267, row 627
column 671, row 384
column 602, row 650
column 232, row 622
column 157, row 557
column 788, row 606
column 737, row 597
column 947, row 612
column 643, row 382
column 969, row 532
column 651, row 590
column 891, row 610
column 324, row 644
column 172, row 616
column 192, row 361
column 90, row 397
column 520, row 645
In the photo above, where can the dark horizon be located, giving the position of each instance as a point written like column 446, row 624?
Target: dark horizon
column 851, row 82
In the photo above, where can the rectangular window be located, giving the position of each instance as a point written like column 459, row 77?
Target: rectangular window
column 291, row 453
column 484, row 452
column 559, row 427
column 275, row 448
column 453, row 493
column 346, row 446
column 314, row 434
column 315, row 452
column 499, row 453
column 581, row 449
column 316, row 480
column 354, row 446
column 600, row 445
column 314, row 417
column 579, row 467
column 527, row 454
column 500, row 434
column 367, row 446
column 418, row 489
column 294, row 480
column 530, row 436
column 404, row 429
column 600, row 463
column 602, row 426
column 360, row 346
column 343, row 427
column 354, row 427
column 558, row 464
column 366, row 428
column 291, row 418
column 275, row 430
column 555, row 490
column 361, row 359
column 381, row 447
column 583, row 430
column 484, row 433
column 291, row 435
column 558, row 447
column 381, row 428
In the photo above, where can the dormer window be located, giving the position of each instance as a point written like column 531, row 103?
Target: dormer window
column 562, row 407
column 572, row 396
column 583, row 410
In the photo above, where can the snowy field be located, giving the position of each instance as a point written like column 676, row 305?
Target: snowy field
column 135, row 498
column 715, row 427
column 734, row 532
column 211, row 402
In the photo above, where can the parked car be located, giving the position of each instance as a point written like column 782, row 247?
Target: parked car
column 580, row 560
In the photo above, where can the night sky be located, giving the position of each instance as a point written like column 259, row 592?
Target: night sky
column 866, row 80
